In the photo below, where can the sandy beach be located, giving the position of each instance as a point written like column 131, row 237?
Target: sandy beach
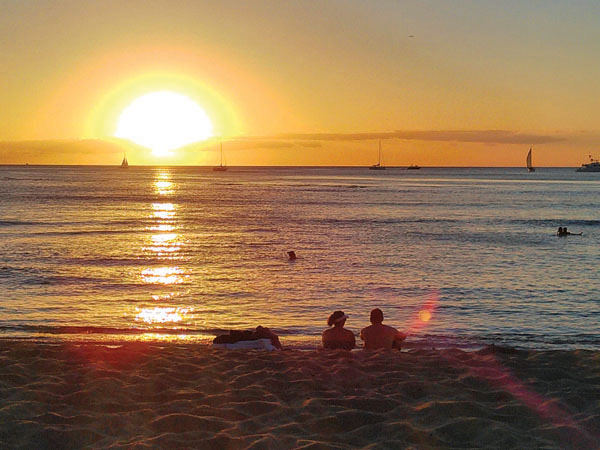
column 150, row 395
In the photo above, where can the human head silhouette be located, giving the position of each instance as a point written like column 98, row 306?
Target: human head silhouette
column 376, row 316
column 338, row 317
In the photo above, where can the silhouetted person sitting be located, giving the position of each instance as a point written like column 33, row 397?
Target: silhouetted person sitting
column 338, row 337
column 378, row 335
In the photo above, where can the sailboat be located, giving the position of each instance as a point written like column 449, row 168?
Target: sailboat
column 378, row 166
column 530, row 168
column 124, row 164
column 220, row 167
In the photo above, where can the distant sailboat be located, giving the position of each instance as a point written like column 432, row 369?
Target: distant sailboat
column 530, row 168
column 220, row 167
column 124, row 164
column 378, row 166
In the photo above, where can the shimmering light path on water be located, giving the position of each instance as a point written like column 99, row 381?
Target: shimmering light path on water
column 185, row 252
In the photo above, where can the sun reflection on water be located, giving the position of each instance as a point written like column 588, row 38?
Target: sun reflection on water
column 164, row 337
column 162, row 250
column 162, row 227
column 164, row 211
column 163, row 275
column 161, row 314
column 162, row 238
column 163, row 244
column 162, row 184
column 163, row 206
column 163, row 187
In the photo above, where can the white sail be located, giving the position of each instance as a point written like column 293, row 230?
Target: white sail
column 221, row 167
column 378, row 166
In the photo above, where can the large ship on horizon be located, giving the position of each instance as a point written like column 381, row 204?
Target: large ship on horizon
column 592, row 166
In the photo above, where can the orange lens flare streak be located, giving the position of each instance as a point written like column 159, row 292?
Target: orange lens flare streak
column 497, row 375
column 549, row 409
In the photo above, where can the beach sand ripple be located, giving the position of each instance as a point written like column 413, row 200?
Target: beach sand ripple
column 149, row 395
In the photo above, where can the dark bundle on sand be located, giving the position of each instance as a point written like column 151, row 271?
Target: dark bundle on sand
column 248, row 335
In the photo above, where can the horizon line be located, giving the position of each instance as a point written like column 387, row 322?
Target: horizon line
column 279, row 166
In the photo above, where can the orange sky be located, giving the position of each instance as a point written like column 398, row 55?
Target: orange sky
column 307, row 83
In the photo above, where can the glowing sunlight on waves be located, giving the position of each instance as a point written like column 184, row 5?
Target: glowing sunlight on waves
column 161, row 314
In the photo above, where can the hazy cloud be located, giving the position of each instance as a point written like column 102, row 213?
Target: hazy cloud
column 478, row 136
column 250, row 142
column 76, row 151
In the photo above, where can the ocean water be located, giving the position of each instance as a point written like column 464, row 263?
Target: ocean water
column 457, row 257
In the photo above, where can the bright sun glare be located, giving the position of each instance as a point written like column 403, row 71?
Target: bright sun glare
column 164, row 121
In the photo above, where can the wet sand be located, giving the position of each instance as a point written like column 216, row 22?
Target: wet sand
column 149, row 395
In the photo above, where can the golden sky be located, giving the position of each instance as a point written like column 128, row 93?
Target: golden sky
column 307, row 82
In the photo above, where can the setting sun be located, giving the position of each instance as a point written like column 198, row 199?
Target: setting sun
column 164, row 121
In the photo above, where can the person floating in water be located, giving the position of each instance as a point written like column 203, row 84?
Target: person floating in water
column 292, row 255
column 378, row 335
column 564, row 232
column 338, row 337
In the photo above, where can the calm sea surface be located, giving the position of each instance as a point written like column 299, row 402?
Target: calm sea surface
column 182, row 253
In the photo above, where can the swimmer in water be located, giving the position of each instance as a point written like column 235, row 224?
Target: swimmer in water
column 564, row 232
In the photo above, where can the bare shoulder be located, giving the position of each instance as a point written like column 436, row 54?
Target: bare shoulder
column 397, row 334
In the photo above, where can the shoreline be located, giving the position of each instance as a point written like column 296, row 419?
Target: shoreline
column 304, row 342
column 174, row 395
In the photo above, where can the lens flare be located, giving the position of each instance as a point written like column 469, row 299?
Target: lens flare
column 425, row 313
